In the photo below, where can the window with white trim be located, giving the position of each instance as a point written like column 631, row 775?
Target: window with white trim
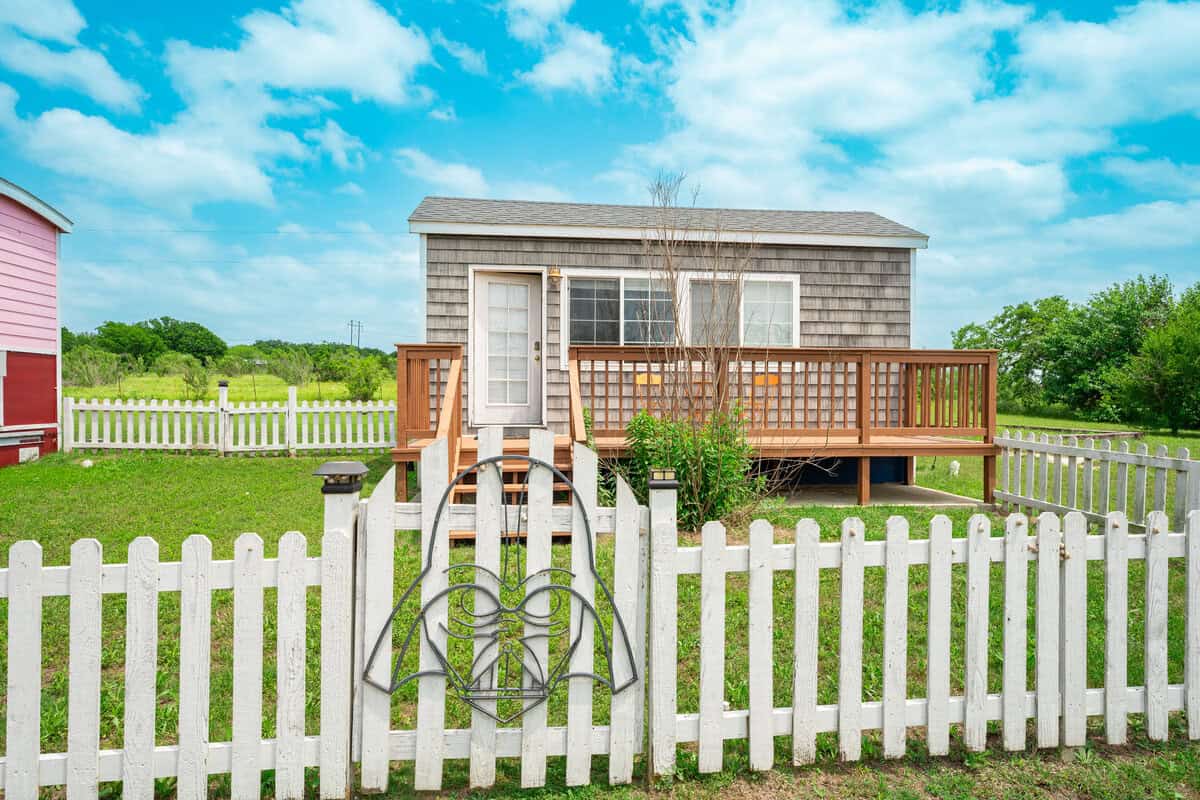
column 620, row 311
column 595, row 310
column 767, row 313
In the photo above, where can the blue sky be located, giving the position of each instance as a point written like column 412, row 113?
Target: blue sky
column 252, row 165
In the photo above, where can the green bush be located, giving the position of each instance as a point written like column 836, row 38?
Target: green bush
column 712, row 461
column 172, row 363
column 88, row 365
column 195, row 379
column 363, row 378
column 291, row 365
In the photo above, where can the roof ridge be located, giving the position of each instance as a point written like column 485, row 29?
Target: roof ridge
column 652, row 207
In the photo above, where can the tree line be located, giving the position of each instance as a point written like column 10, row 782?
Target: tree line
column 167, row 346
column 1130, row 353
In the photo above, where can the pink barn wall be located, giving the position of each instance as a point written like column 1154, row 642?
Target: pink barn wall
column 28, row 280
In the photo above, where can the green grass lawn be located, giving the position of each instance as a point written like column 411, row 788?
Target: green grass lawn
column 170, row 497
column 242, row 388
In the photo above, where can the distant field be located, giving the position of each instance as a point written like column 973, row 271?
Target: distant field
column 242, row 388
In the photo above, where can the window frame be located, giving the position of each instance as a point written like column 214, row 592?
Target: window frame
column 683, row 290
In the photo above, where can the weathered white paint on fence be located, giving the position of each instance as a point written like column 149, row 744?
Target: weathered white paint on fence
column 579, row 689
column 1049, row 702
column 805, row 645
column 195, row 663
column 141, row 661
column 83, row 701
column 979, row 567
column 1116, row 627
column 1191, row 667
column 1156, row 626
column 712, row 647
column 895, row 638
column 246, row 779
column 1149, row 470
column 337, row 615
column 850, row 649
column 23, row 725
column 1074, row 630
column 625, row 735
column 937, row 681
column 760, row 633
column 537, row 558
column 1016, row 622
column 431, row 688
column 292, row 616
column 663, row 634
column 225, row 427
column 490, row 500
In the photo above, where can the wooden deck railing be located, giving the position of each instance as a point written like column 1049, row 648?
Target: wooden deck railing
column 425, row 375
column 788, row 391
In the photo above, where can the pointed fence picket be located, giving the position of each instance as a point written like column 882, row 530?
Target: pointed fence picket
column 356, row 573
column 1090, row 485
column 226, row 427
column 140, row 761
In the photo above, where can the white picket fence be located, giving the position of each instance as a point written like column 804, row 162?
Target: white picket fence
column 356, row 573
column 1063, row 474
column 226, row 427
column 194, row 758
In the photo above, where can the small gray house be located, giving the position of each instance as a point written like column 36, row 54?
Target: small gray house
column 540, row 313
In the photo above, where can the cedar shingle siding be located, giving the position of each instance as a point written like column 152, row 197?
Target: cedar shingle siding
column 849, row 296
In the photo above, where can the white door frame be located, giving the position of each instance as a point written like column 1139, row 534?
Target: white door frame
column 473, row 370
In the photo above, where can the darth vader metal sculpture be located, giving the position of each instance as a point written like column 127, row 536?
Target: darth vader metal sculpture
column 507, row 617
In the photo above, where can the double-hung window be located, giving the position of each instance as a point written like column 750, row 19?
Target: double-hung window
column 620, row 311
column 714, row 313
column 767, row 314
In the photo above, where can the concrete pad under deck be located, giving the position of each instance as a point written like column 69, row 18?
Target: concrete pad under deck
column 882, row 494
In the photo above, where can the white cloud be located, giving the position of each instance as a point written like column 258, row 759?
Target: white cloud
column 224, row 144
column 350, row 188
column 1161, row 224
column 530, row 20
column 443, row 114
column 345, row 150
column 76, row 68
column 579, row 60
column 471, row 60
column 54, row 20
column 443, row 176
column 1156, row 175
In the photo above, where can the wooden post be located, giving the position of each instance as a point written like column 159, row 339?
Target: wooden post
column 290, row 422
column 863, row 400
column 989, row 435
column 68, row 425
column 864, row 480
column 664, row 642
column 224, row 429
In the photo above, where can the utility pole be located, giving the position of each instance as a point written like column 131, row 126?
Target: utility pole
column 356, row 327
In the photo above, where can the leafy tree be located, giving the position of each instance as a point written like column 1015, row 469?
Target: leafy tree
column 171, row 363
column 1020, row 332
column 187, row 337
column 135, row 341
column 195, row 378
column 363, row 378
column 293, row 366
column 71, row 340
column 242, row 359
column 1091, row 342
column 1161, row 383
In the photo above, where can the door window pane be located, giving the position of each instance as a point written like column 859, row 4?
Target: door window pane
column 508, row 343
column 714, row 313
column 767, row 313
column 595, row 313
column 649, row 317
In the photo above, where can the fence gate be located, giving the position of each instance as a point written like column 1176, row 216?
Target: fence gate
column 516, row 642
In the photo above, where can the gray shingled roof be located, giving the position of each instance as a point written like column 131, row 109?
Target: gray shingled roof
column 529, row 212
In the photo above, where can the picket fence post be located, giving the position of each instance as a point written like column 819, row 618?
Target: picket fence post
column 664, row 591
column 224, row 429
column 290, row 424
column 68, row 425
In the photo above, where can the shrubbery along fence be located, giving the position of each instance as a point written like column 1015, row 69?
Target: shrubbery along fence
column 1036, row 570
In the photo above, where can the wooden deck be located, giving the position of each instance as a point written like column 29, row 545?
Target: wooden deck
column 796, row 403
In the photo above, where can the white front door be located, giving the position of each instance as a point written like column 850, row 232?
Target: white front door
column 506, row 355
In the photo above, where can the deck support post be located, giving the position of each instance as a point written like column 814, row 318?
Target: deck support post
column 864, row 480
column 910, row 470
column 989, row 479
